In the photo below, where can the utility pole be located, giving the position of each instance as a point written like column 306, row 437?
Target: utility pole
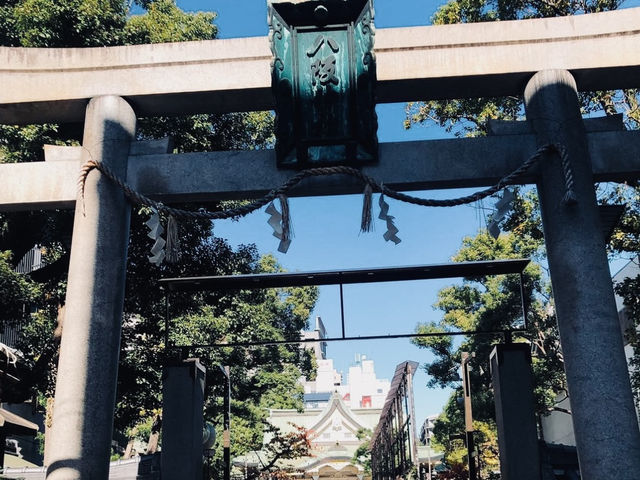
column 468, row 417
column 226, row 434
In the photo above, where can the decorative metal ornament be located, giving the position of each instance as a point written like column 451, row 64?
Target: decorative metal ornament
column 323, row 80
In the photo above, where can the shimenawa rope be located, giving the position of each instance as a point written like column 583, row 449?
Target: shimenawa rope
column 138, row 198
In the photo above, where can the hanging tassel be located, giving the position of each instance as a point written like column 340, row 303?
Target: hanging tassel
column 173, row 240
column 287, row 230
column 366, row 224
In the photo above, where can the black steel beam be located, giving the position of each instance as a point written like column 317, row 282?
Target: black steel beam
column 342, row 277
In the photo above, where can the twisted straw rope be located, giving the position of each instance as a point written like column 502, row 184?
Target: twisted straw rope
column 138, row 198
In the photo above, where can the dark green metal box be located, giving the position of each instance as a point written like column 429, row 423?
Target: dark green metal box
column 323, row 80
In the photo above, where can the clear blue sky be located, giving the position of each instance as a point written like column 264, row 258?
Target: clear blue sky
column 327, row 228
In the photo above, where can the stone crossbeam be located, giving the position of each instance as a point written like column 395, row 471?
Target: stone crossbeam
column 406, row 166
column 416, row 63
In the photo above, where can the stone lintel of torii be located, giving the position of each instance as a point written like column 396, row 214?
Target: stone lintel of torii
column 548, row 60
column 227, row 175
column 414, row 63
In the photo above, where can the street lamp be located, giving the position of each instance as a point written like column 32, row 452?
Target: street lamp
column 226, row 433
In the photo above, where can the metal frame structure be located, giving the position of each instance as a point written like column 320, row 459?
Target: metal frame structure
column 345, row 277
column 394, row 443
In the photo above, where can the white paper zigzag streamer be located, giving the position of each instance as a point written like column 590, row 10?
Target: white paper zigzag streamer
column 390, row 234
column 275, row 220
column 155, row 233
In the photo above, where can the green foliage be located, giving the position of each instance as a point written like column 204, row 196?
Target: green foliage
column 165, row 22
column 626, row 237
column 468, row 117
column 482, row 303
column 629, row 290
column 261, row 378
column 24, row 144
column 18, row 293
column 281, row 446
column 362, row 455
column 447, row 438
column 51, row 23
column 493, row 303
column 489, row 303
column 211, row 132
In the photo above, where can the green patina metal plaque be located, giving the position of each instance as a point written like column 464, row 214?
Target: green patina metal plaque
column 323, row 79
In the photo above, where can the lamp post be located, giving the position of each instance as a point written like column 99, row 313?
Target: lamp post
column 468, row 416
column 226, row 433
column 429, row 447
column 323, row 79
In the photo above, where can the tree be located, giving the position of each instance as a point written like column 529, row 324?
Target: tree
column 469, row 116
column 49, row 23
column 629, row 290
column 362, row 455
column 165, row 22
column 480, row 302
column 262, row 377
column 281, row 447
column 493, row 304
column 17, row 291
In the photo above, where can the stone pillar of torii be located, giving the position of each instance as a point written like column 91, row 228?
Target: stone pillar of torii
column 548, row 60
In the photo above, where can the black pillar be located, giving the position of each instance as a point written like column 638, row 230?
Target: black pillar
column 513, row 391
column 182, row 420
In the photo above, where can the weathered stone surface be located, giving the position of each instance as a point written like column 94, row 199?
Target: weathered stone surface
column 603, row 414
column 448, row 61
column 80, row 439
column 243, row 174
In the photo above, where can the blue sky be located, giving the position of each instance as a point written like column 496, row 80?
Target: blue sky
column 327, row 232
column 327, row 228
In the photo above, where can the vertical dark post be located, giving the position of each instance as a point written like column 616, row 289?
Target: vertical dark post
column 182, row 422
column 226, row 434
column 3, row 441
column 512, row 381
column 604, row 420
column 468, row 417
column 342, row 311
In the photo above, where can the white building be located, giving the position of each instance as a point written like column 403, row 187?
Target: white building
column 361, row 390
column 334, row 412
column 333, row 431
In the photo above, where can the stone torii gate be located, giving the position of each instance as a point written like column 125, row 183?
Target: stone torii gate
column 546, row 59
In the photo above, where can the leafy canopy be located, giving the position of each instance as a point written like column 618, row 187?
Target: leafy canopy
column 261, row 377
